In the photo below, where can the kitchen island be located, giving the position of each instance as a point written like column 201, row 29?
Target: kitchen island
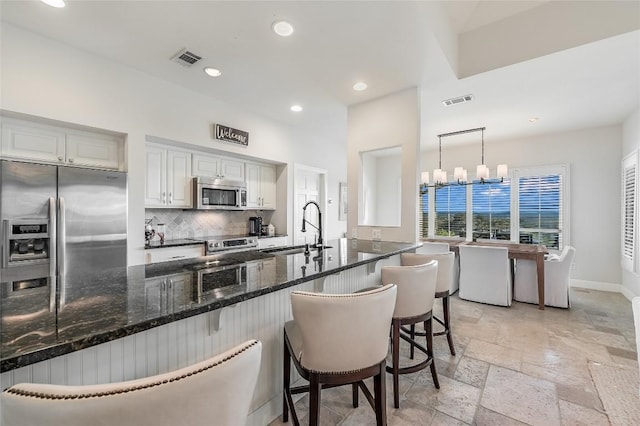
column 148, row 319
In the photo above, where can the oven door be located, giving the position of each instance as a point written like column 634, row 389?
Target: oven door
column 217, row 283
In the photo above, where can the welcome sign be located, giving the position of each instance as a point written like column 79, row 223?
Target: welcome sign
column 229, row 134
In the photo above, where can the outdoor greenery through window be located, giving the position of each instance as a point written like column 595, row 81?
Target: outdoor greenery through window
column 491, row 207
column 531, row 207
column 540, row 201
column 451, row 211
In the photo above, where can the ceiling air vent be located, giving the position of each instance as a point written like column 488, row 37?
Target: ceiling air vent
column 458, row 100
column 186, row 58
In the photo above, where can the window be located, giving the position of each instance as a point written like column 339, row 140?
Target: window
column 423, row 215
column 451, row 211
column 491, row 208
column 542, row 209
column 629, row 203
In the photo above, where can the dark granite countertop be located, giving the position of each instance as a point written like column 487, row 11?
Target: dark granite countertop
column 174, row 243
column 69, row 313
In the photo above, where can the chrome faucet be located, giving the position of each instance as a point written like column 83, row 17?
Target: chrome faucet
column 319, row 244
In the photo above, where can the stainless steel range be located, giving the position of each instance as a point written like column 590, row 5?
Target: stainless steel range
column 223, row 243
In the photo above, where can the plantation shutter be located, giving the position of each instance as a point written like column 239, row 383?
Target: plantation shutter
column 451, row 211
column 629, row 209
column 541, row 210
column 491, row 208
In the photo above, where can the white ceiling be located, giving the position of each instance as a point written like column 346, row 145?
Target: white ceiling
column 388, row 44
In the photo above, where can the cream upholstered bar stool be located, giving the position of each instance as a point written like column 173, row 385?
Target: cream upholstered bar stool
column 444, row 287
column 335, row 340
column 217, row 391
column 416, row 293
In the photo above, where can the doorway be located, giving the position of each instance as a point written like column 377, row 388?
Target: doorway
column 309, row 184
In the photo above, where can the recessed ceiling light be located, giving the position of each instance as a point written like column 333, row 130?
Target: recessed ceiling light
column 360, row 86
column 534, row 119
column 296, row 108
column 213, row 72
column 282, row 28
column 54, row 3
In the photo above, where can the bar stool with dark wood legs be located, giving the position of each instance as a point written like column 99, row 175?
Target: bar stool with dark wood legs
column 444, row 285
column 335, row 340
column 416, row 291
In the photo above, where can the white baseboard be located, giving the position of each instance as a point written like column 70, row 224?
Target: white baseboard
column 603, row 286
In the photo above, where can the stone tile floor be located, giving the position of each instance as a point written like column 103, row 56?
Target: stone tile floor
column 513, row 366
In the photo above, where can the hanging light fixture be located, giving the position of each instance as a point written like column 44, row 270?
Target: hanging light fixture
column 460, row 174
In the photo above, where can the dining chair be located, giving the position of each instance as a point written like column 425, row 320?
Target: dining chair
column 557, row 274
column 217, row 391
column 335, row 340
column 485, row 275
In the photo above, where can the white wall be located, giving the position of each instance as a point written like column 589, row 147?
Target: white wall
column 52, row 80
column 594, row 157
column 630, row 142
column 392, row 120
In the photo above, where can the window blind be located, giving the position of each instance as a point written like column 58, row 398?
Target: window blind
column 540, row 202
column 451, row 211
column 491, row 209
column 629, row 203
column 423, row 214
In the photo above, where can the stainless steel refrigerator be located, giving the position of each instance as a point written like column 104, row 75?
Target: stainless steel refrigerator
column 60, row 221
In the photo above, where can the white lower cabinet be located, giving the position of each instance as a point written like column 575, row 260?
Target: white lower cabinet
column 272, row 242
column 166, row 294
column 173, row 253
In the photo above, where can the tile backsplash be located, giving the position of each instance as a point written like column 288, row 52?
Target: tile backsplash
column 197, row 223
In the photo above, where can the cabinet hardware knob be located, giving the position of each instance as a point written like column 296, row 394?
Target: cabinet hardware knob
column 71, row 160
column 60, row 158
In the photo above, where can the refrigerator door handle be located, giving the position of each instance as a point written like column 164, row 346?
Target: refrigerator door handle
column 62, row 239
column 52, row 237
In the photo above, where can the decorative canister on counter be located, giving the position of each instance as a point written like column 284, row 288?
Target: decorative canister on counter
column 271, row 231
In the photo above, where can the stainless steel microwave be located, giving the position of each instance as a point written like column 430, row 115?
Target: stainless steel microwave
column 219, row 194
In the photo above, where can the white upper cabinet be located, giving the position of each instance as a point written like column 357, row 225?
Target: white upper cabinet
column 168, row 177
column 261, row 186
column 29, row 141
column 91, row 150
column 232, row 169
column 218, row 167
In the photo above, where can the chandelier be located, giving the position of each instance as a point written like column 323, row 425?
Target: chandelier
column 460, row 174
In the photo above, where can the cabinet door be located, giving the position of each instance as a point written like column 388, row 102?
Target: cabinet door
column 271, row 242
column 155, row 189
column 206, row 165
column 32, row 142
column 253, row 185
column 155, row 297
column 86, row 149
column 232, row 169
column 268, row 187
column 179, row 291
column 178, row 179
